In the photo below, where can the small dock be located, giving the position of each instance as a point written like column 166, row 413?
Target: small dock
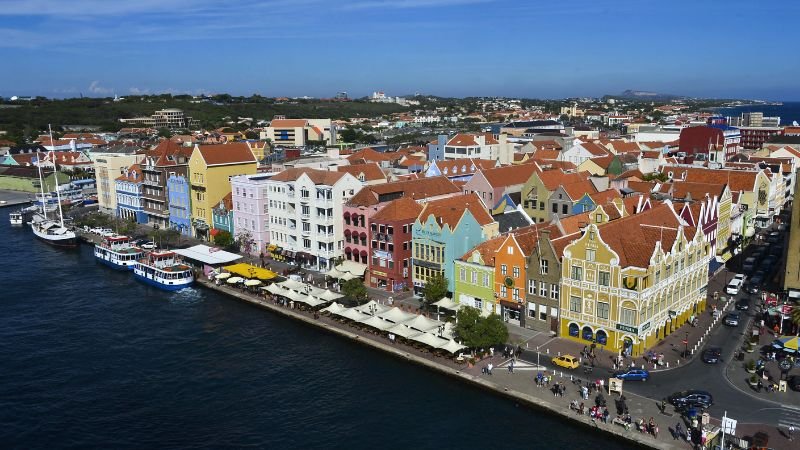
column 9, row 199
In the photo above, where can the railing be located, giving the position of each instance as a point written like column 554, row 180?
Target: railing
column 325, row 219
column 290, row 194
column 305, row 216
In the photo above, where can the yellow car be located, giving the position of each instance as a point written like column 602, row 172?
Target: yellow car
column 566, row 361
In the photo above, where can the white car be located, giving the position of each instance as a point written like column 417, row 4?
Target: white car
column 733, row 287
column 740, row 277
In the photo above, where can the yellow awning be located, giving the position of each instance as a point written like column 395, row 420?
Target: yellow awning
column 250, row 271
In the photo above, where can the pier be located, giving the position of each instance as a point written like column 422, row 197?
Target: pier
column 9, row 199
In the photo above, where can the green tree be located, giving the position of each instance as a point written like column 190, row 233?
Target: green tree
column 244, row 241
column 355, row 289
column 223, row 239
column 164, row 132
column 480, row 332
column 435, row 289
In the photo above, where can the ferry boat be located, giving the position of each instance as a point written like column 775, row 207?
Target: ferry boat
column 117, row 252
column 165, row 270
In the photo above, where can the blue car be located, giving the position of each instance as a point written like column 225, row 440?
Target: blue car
column 633, row 374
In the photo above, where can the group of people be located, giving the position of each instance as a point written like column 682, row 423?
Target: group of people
column 595, row 412
column 650, row 427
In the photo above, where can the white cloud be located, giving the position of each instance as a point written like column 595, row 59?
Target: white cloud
column 95, row 88
column 136, row 91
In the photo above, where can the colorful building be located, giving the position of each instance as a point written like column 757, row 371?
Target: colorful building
column 223, row 216
column 179, row 201
column 251, row 205
column 390, row 238
column 474, row 282
column 210, row 169
column 445, row 230
column 129, row 195
column 629, row 283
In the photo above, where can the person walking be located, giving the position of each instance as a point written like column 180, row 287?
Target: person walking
column 490, row 367
column 791, row 432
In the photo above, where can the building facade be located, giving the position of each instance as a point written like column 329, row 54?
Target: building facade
column 223, row 217
column 390, row 245
column 107, row 169
column 167, row 159
column 180, row 204
column 250, row 204
column 129, row 195
column 543, row 286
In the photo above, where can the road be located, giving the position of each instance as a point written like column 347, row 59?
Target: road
column 738, row 402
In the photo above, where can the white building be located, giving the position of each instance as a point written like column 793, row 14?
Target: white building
column 298, row 132
column 306, row 216
column 250, row 209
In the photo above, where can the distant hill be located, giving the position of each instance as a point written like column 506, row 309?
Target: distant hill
column 631, row 94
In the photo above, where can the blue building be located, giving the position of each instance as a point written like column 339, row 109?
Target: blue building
column 222, row 214
column 129, row 195
column 180, row 207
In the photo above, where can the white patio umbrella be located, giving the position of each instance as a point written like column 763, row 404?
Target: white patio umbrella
column 235, row 280
column 252, row 282
column 330, row 295
column 423, row 323
column 452, row 346
column 222, row 276
column 375, row 322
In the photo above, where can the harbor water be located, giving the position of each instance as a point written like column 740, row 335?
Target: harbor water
column 92, row 358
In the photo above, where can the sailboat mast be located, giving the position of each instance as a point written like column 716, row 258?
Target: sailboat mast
column 55, row 172
column 41, row 183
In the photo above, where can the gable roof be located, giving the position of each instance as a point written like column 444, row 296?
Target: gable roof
column 595, row 149
column 371, row 171
column 509, row 175
column 579, row 189
column 369, row 155
column 288, row 123
column 448, row 211
column 219, row 154
column 134, row 175
column 738, row 180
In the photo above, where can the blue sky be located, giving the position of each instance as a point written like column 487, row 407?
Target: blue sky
column 445, row 47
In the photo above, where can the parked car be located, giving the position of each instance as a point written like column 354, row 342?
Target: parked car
column 566, row 361
column 794, row 382
column 691, row 398
column 633, row 374
column 776, row 249
column 732, row 319
column 740, row 277
column 148, row 245
column 774, row 237
column 733, row 287
column 749, row 264
column 712, row 355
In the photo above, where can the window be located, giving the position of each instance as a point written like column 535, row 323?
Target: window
column 516, row 272
column 485, row 279
column 542, row 289
column 658, row 276
column 541, row 206
column 510, row 250
column 503, row 269
column 564, row 209
column 516, row 294
column 628, row 317
column 554, row 291
column 577, row 273
column 598, row 218
column 532, row 287
column 604, row 278
column 532, row 310
column 590, row 254
column 503, row 291
column 474, row 277
column 543, row 266
column 602, row 310
column 463, row 274
column 575, row 304
column 555, row 208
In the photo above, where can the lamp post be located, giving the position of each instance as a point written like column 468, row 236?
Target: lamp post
column 686, row 346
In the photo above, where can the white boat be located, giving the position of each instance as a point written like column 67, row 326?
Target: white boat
column 15, row 218
column 53, row 232
column 165, row 270
column 118, row 252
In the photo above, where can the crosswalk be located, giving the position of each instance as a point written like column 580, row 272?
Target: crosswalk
column 789, row 415
column 521, row 365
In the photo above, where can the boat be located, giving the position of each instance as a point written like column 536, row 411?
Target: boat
column 165, row 270
column 52, row 232
column 118, row 252
column 16, row 218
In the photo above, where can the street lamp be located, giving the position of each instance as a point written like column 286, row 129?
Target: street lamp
column 686, row 346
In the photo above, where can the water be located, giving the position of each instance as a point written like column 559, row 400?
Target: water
column 788, row 112
column 92, row 358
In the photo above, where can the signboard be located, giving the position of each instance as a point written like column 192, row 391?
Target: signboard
column 614, row 385
column 645, row 327
column 380, row 274
column 728, row 425
column 627, row 328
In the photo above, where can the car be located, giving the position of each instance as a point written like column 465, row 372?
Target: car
column 732, row 319
column 691, row 398
column 566, row 361
column 633, row 374
column 749, row 264
column 743, row 304
column 107, row 233
column 782, row 227
column 712, row 355
column 755, row 284
column 740, row 277
column 774, row 237
column 733, row 287
column 148, row 245
column 776, row 250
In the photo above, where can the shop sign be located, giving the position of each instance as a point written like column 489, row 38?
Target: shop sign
column 627, row 328
column 645, row 327
column 380, row 274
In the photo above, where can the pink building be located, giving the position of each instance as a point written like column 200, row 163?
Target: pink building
column 370, row 199
column 251, row 210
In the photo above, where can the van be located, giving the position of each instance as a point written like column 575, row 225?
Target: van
column 733, row 287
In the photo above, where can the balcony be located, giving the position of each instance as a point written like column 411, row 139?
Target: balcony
column 154, row 183
column 305, row 216
column 290, row 194
column 326, row 253
column 325, row 220
column 306, row 233
column 384, row 237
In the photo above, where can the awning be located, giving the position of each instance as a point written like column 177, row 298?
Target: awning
column 334, row 273
column 402, row 331
column 377, row 323
column 395, row 315
column 330, row 295
column 429, row 340
column 274, row 289
column 250, row 271
column 292, row 284
column 511, row 305
column 447, row 303
column 423, row 323
column 207, row 255
column 333, row 308
column 353, row 267
column 452, row 347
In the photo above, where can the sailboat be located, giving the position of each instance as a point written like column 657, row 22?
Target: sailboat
column 50, row 231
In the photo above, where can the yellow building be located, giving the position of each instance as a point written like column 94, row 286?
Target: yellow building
column 210, row 170
column 629, row 283
column 107, row 169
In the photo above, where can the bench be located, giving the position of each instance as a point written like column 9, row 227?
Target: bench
column 622, row 423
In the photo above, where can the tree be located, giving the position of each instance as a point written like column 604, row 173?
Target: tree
column 245, row 242
column 250, row 134
column 434, row 289
column 355, row 289
column 480, row 332
column 164, row 132
column 223, row 238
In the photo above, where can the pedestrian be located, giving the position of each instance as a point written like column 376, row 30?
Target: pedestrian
column 490, row 367
column 663, row 405
column 678, row 431
column 791, row 432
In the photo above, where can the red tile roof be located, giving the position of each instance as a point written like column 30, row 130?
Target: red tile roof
column 417, row 189
column 369, row 155
column 134, row 175
column 448, row 211
column 403, row 208
column 288, row 123
column 219, row 154
column 371, row 171
column 322, row 177
column 509, row 175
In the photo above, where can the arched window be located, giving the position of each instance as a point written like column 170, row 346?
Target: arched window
column 573, row 330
